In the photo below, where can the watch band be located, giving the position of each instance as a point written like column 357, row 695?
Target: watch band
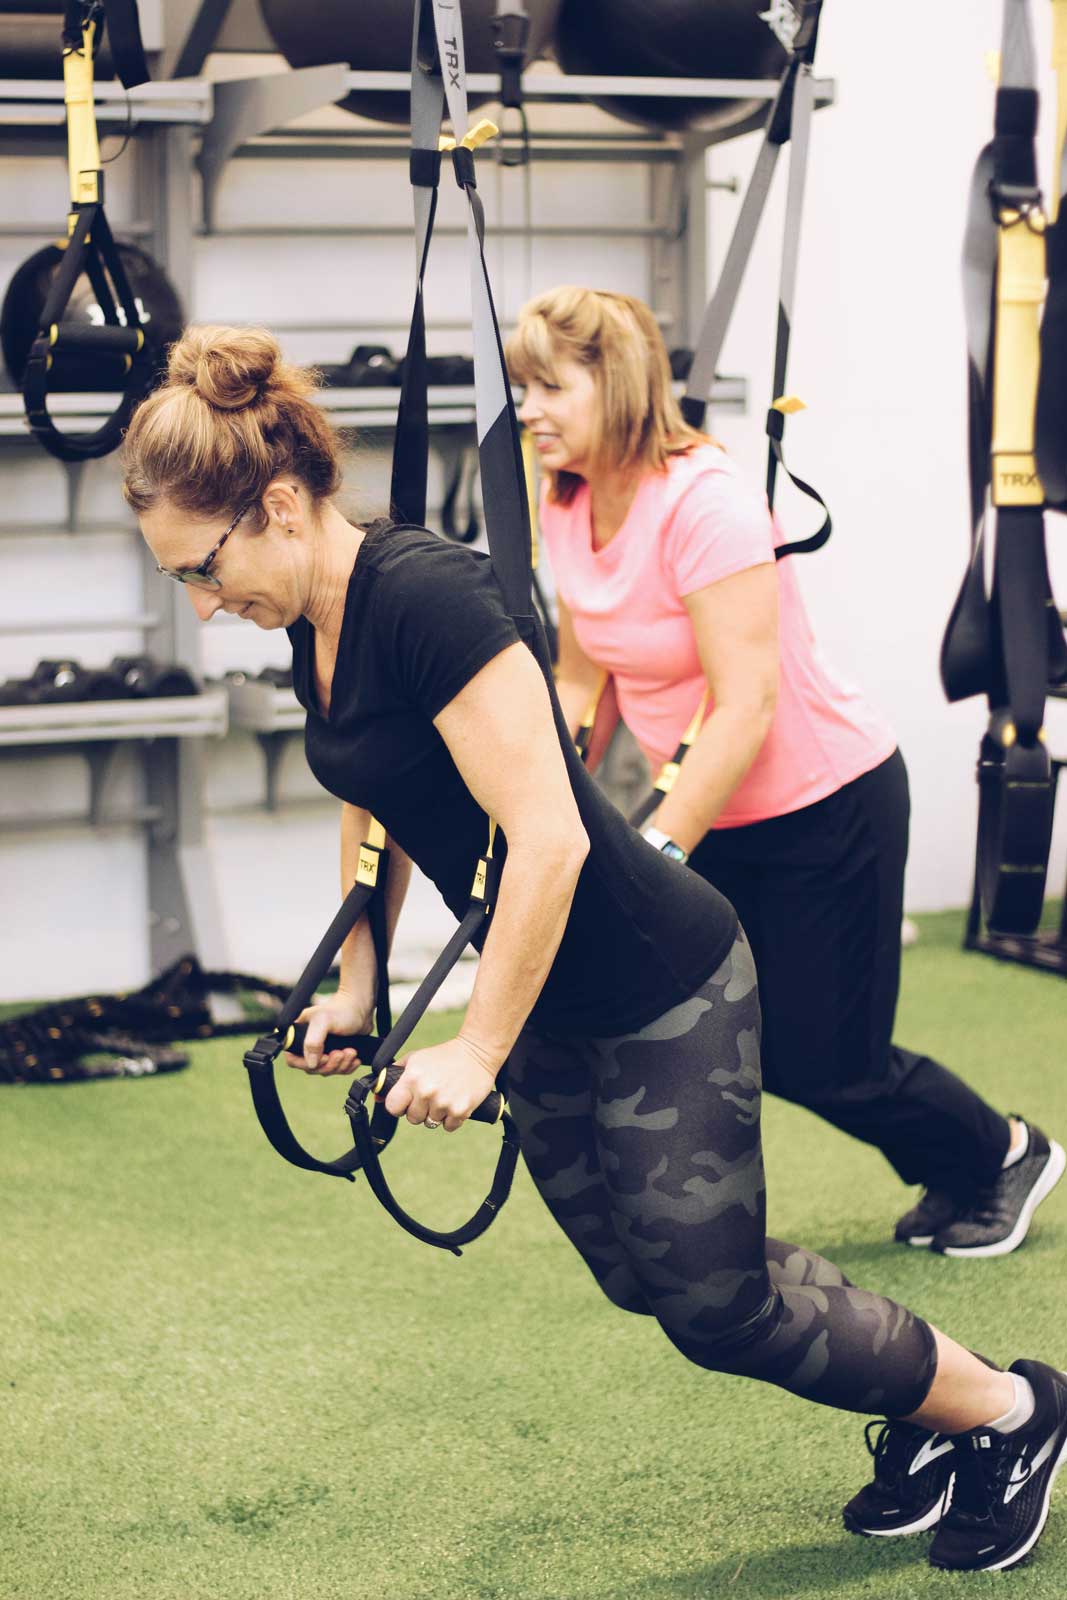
column 664, row 844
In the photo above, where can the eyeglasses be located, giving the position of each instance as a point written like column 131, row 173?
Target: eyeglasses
column 201, row 577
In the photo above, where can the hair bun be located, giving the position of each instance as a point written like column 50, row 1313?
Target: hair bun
column 230, row 368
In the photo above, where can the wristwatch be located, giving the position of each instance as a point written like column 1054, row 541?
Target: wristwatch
column 665, row 844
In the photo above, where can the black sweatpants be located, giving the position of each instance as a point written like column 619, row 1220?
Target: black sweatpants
column 820, row 895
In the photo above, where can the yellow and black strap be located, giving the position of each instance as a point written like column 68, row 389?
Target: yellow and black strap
column 669, row 771
column 76, row 355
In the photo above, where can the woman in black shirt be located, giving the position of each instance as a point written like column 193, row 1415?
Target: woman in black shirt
column 615, row 983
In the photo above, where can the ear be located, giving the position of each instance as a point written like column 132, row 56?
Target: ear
column 283, row 505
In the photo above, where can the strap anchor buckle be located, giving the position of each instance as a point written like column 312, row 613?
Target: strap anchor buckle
column 263, row 1054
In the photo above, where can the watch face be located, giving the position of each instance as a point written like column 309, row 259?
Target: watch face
column 675, row 851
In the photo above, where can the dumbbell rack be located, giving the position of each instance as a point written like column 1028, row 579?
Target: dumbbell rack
column 167, row 733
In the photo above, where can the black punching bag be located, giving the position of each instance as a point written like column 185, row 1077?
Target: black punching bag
column 31, row 41
column 375, row 36
column 670, row 39
column 157, row 300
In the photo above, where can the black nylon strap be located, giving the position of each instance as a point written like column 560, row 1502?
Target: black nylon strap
column 90, row 249
column 1004, row 644
column 508, row 532
column 127, row 48
column 788, row 122
column 468, row 1231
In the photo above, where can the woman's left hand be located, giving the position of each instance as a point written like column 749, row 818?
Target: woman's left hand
column 442, row 1084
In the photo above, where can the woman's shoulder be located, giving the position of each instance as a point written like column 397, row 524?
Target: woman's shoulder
column 702, row 463
column 405, row 553
column 411, row 570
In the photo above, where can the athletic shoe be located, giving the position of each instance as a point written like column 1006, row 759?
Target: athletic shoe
column 1004, row 1482
column 934, row 1211
column 995, row 1221
column 912, row 1481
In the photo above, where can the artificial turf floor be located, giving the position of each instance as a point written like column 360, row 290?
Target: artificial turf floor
column 224, row 1379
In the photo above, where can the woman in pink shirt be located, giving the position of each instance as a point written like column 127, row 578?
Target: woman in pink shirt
column 793, row 799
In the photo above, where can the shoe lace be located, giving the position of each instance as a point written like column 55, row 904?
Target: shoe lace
column 980, row 1475
column 889, row 1450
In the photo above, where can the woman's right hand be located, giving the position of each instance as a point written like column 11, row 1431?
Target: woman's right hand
column 338, row 1013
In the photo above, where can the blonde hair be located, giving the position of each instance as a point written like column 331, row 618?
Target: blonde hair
column 638, row 423
column 230, row 416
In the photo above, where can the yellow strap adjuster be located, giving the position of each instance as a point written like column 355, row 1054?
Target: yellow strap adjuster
column 670, row 769
column 788, row 404
column 83, row 146
column 1017, row 356
column 480, row 134
column 370, row 855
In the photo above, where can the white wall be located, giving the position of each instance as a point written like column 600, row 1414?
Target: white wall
column 878, row 355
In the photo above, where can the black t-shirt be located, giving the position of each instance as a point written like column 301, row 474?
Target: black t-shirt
column 422, row 616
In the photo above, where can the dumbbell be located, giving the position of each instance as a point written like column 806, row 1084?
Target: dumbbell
column 277, row 677
column 144, row 678
column 66, row 682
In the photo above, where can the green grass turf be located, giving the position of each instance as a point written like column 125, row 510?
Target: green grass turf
column 227, row 1380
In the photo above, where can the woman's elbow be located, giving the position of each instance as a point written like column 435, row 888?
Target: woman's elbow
column 559, row 847
column 569, row 851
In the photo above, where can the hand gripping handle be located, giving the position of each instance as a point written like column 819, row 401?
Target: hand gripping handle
column 491, row 1109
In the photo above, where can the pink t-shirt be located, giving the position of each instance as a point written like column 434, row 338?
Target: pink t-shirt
column 688, row 527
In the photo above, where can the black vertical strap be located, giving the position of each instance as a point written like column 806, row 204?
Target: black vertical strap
column 349, row 913
column 412, row 444
column 127, row 48
column 1020, row 574
column 507, row 518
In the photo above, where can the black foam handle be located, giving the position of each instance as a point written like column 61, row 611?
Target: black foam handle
column 96, row 338
column 366, row 1045
column 490, row 1110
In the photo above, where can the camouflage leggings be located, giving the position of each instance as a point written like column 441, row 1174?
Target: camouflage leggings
column 646, row 1149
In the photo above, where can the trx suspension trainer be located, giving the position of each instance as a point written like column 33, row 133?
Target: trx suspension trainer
column 437, row 39
column 74, row 355
column 1008, row 644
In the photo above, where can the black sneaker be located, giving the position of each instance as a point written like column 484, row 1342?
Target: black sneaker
column 935, row 1210
column 1004, row 1482
column 912, row 1482
column 995, row 1222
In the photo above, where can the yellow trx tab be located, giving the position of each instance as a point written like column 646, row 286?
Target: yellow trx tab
column 481, row 873
column 370, row 855
column 478, row 135
column 788, row 404
column 670, row 769
column 1017, row 356
column 1059, row 64
column 83, row 147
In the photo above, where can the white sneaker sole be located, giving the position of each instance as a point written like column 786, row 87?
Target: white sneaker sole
column 1042, row 1189
column 921, row 1524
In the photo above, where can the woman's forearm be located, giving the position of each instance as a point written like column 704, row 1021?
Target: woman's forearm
column 718, row 761
column 534, row 901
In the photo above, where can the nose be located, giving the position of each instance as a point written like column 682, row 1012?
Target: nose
column 529, row 411
column 205, row 602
